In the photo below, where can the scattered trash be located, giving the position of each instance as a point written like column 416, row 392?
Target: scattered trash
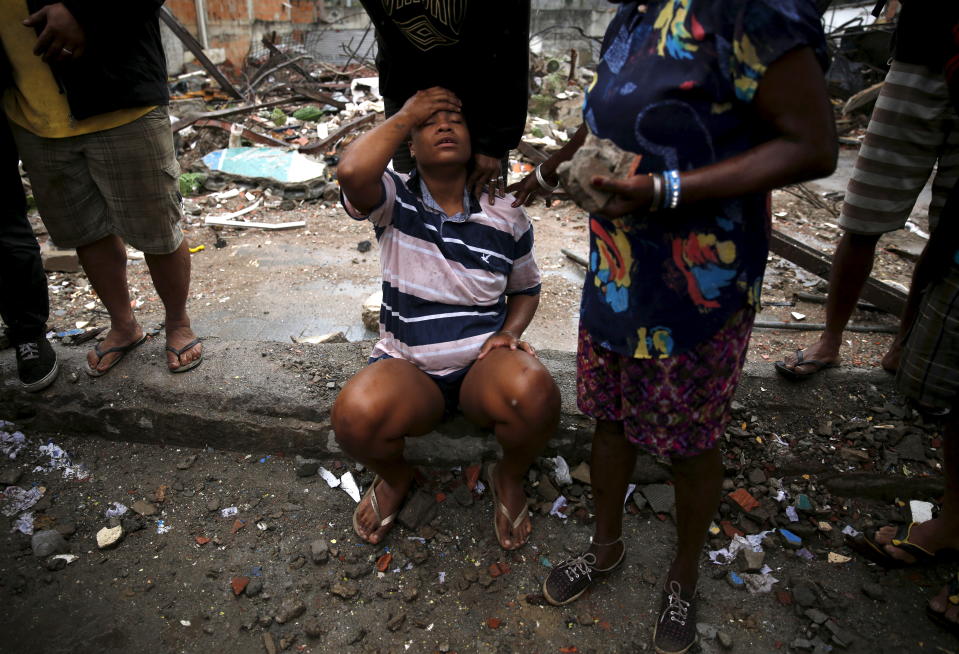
column 15, row 499
column 348, row 484
column 11, row 442
column 557, row 509
column 115, row 510
column 921, row 511
column 24, row 523
column 162, row 527
column 561, row 471
column 229, row 511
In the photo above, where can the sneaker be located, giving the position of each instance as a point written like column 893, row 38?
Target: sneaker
column 571, row 578
column 37, row 364
column 675, row 630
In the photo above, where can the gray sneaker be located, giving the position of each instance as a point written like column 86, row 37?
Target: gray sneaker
column 571, row 578
column 675, row 630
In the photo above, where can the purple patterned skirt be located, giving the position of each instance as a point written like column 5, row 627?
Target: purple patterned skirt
column 673, row 407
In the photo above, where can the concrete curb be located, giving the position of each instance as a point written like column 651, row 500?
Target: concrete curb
column 276, row 397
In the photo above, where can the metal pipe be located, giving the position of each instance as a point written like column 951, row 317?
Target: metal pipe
column 201, row 22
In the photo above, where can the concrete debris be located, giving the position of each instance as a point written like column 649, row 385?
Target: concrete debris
column 597, row 157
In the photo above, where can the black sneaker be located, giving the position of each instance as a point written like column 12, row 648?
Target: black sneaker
column 37, row 364
column 571, row 578
column 675, row 630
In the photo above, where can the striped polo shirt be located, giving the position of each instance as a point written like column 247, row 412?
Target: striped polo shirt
column 446, row 278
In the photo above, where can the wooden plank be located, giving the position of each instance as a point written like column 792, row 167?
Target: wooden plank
column 886, row 297
column 318, row 96
column 232, row 111
column 531, row 153
column 821, row 326
column 220, row 222
column 248, row 134
column 194, row 46
column 320, row 146
column 862, row 99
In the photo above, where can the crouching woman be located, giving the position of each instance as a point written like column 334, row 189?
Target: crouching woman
column 460, row 286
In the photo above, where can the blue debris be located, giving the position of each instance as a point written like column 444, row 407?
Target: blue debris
column 803, row 503
column 791, row 539
column 735, row 580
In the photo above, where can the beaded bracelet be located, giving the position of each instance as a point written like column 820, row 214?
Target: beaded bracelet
column 671, row 198
column 542, row 182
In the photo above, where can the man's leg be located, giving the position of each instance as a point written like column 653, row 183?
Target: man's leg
column 910, row 124
column 171, row 278
column 512, row 392
column 105, row 263
column 24, row 302
column 847, row 277
column 373, row 414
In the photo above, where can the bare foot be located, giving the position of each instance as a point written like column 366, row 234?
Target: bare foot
column 116, row 337
column 389, row 500
column 510, row 493
column 932, row 535
column 178, row 337
column 945, row 610
column 818, row 351
column 890, row 362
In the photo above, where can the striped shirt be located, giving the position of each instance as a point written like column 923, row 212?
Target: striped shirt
column 446, row 278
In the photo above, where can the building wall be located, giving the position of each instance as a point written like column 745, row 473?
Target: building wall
column 235, row 27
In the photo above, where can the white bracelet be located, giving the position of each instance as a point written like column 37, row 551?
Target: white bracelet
column 542, row 182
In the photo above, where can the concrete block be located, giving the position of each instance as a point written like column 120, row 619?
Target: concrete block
column 57, row 260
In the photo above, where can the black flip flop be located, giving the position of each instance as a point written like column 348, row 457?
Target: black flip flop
column 791, row 374
column 190, row 366
column 875, row 552
column 121, row 350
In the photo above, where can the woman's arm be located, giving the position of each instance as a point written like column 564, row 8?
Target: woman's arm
column 792, row 102
column 361, row 167
column 527, row 190
column 519, row 313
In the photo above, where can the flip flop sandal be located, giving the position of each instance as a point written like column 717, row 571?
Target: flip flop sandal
column 380, row 521
column 186, row 348
column 790, row 373
column 121, row 350
column 875, row 552
column 500, row 507
column 953, row 598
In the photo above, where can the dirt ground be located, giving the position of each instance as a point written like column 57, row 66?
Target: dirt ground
column 313, row 587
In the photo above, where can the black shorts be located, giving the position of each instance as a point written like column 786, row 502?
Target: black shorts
column 449, row 386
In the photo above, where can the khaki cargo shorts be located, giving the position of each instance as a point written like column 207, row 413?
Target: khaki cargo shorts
column 122, row 181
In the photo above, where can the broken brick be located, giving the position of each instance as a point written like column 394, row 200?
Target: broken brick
column 239, row 584
column 745, row 501
column 730, row 530
column 202, row 540
column 493, row 623
column 383, row 563
column 237, row 526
